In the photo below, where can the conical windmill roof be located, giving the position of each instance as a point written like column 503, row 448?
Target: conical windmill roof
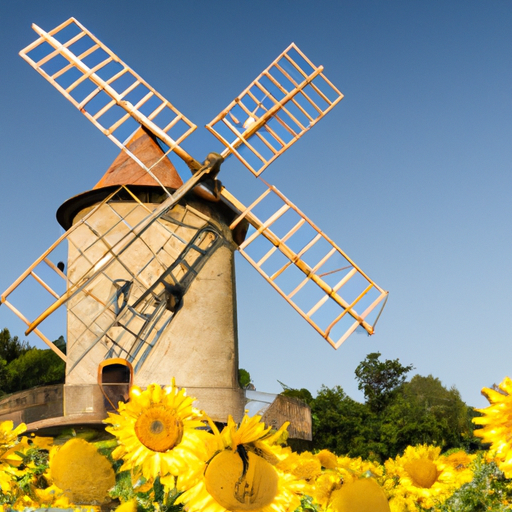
column 125, row 171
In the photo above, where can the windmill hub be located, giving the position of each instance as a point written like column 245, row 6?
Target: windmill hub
column 213, row 162
column 210, row 187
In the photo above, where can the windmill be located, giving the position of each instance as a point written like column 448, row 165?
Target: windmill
column 149, row 283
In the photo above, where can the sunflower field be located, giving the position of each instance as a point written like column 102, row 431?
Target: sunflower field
column 162, row 454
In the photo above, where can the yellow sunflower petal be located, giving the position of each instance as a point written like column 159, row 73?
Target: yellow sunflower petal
column 84, row 475
column 363, row 495
column 496, row 424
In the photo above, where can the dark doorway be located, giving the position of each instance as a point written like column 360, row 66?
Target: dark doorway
column 115, row 377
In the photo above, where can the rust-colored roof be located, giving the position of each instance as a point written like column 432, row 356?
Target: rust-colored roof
column 125, row 171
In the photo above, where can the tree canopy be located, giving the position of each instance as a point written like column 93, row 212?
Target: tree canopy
column 380, row 380
column 23, row 366
column 11, row 347
column 396, row 413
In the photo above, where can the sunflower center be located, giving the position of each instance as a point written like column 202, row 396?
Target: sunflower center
column 238, row 490
column 158, row 428
column 423, row 472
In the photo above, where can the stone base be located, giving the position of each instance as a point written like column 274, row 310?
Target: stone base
column 51, row 408
column 64, row 405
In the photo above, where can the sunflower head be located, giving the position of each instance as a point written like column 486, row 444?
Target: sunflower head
column 82, row 473
column 327, row 459
column 496, row 421
column 159, row 428
column 459, row 460
column 240, row 482
column 423, row 477
column 423, row 472
column 239, row 472
column 156, row 431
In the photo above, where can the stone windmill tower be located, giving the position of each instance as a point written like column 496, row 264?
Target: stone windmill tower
column 165, row 307
column 149, row 287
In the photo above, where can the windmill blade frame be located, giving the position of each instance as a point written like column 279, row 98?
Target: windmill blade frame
column 110, row 94
column 98, row 266
column 342, row 304
column 286, row 99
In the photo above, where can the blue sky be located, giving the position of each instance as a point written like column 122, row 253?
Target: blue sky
column 410, row 174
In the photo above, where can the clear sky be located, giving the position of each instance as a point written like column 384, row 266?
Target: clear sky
column 410, row 174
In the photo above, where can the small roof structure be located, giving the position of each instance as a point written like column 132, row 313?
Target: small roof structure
column 125, row 171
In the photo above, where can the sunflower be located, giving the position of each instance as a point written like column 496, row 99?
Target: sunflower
column 7, row 479
column 423, row 478
column 359, row 495
column 497, row 424
column 340, row 473
column 82, row 473
column 150, row 428
column 238, row 472
column 53, row 497
column 11, row 443
column 303, row 466
column 9, row 435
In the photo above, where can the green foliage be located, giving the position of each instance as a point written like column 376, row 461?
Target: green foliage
column 60, row 343
column 302, row 394
column 11, row 348
column 396, row 413
column 308, row 505
column 489, row 491
column 444, row 408
column 339, row 423
column 35, row 368
column 153, row 500
column 37, row 461
column 23, row 367
column 379, row 381
column 244, row 378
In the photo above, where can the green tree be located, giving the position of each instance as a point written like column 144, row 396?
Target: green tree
column 396, row 414
column 302, row 394
column 23, row 366
column 35, row 368
column 339, row 423
column 244, row 378
column 380, row 380
column 406, row 422
column 447, row 407
column 11, row 347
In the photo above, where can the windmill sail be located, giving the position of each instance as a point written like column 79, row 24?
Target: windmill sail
column 106, row 90
column 275, row 110
column 130, row 316
column 308, row 269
